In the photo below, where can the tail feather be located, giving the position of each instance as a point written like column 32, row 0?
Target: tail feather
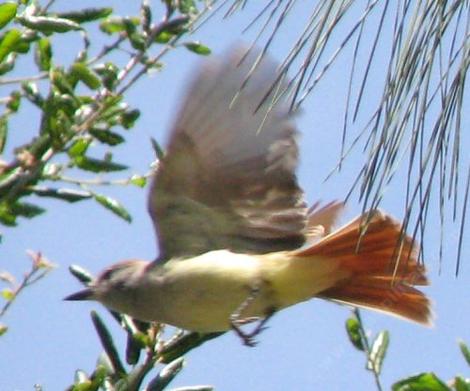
column 399, row 299
column 381, row 265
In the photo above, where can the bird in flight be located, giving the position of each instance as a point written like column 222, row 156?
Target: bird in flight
column 237, row 241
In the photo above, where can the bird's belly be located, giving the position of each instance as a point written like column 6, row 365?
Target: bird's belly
column 208, row 311
column 201, row 294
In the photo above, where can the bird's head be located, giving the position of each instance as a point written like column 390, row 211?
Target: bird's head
column 114, row 285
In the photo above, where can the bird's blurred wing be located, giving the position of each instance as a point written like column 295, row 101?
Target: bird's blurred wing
column 228, row 178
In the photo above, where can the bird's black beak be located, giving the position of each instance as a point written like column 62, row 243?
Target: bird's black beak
column 85, row 294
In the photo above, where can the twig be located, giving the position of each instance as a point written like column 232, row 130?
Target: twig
column 98, row 181
column 16, row 80
column 40, row 267
column 367, row 349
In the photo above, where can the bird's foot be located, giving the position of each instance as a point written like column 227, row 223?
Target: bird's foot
column 236, row 321
column 248, row 339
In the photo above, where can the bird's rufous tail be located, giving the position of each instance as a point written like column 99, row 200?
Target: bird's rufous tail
column 380, row 265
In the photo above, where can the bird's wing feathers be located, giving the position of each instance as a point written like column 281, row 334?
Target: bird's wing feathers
column 228, row 178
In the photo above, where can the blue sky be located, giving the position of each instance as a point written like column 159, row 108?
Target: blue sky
column 306, row 346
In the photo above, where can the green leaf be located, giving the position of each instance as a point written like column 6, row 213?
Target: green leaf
column 108, row 73
column 97, row 165
column 86, row 75
column 26, row 209
column 108, row 343
column 48, row 24
column 69, row 195
column 378, row 351
column 82, row 275
column 3, row 132
column 424, row 381
column 142, row 339
column 461, row 384
column 354, row 334
column 164, row 36
column 113, row 115
column 3, row 329
column 43, row 54
column 9, row 43
column 137, row 40
column 129, row 117
column 465, row 351
column 176, row 26
column 114, row 206
column 187, row 7
column 99, row 375
column 118, row 24
column 8, row 177
column 7, row 217
column 7, row 13
column 166, row 375
column 86, row 14
column 14, row 101
column 112, row 101
column 7, row 64
column 87, row 385
column 23, row 45
column 31, row 93
column 130, row 26
column 82, row 382
column 8, row 294
column 180, row 346
column 79, row 147
column 58, row 111
column 133, row 349
column 159, row 153
column 66, row 106
column 60, row 80
column 146, row 15
column 112, row 25
column 106, row 136
column 139, row 181
column 198, row 48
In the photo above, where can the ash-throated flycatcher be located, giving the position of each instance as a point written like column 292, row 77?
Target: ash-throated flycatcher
column 236, row 238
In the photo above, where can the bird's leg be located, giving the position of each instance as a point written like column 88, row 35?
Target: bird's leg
column 236, row 321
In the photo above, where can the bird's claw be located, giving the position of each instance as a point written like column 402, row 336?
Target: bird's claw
column 236, row 321
column 248, row 339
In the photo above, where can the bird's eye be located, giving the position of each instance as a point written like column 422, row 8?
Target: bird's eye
column 113, row 272
column 106, row 275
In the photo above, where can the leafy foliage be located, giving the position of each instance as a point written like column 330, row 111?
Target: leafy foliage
column 83, row 115
column 81, row 104
column 40, row 267
column 374, row 350
column 375, row 355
